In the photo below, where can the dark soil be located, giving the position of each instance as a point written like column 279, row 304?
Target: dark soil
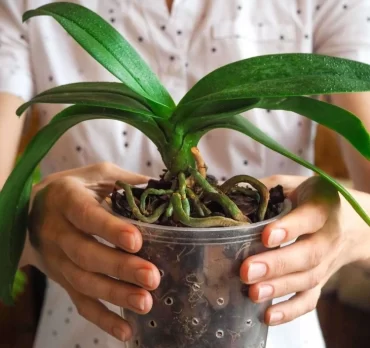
column 247, row 201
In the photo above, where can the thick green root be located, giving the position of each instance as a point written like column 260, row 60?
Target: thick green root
column 148, row 192
column 228, row 206
column 263, row 191
column 214, row 221
column 135, row 209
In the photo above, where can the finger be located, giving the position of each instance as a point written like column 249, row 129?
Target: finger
column 293, row 308
column 291, row 283
column 85, row 213
column 316, row 200
column 300, row 256
column 108, row 289
column 95, row 312
column 306, row 219
column 83, row 251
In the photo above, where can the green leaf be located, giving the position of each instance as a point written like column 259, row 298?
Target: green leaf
column 241, row 124
column 278, row 75
column 109, row 48
column 340, row 120
column 13, row 229
column 14, row 197
column 94, row 94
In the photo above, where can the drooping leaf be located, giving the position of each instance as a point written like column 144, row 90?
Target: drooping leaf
column 242, row 125
column 14, row 196
column 338, row 119
column 110, row 49
column 13, row 233
column 92, row 96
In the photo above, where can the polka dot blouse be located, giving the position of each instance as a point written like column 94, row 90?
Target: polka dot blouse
column 181, row 47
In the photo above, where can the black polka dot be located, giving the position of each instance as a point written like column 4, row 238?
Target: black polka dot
column 77, row 346
column 23, row 37
column 186, row 65
column 282, row 37
column 111, row 10
column 140, row 39
column 268, row 110
column 223, row 178
column 239, row 7
column 299, row 11
column 163, row 27
column 64, row 158
column 214, row 49
column 149, row 164
column 96, row 341
column 78, row 148
column 126, row 144
column 260, row 25
column 318, row 7
column 172, row 58
column 55, row 332
column 124, row 133
column 179, row 32
column 245, row 162
column 70, row 309
column 51, row 78
column 345, row 7
column 112, row 20
column 50, row 312
column 299, row 123
column 300, row 151
column 281, row 164
column 368, row 19
column 66, row 320
column 306, row 36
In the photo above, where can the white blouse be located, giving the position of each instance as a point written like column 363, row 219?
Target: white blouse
column 196, row 38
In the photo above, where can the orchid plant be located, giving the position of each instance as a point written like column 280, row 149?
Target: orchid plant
column 275, row 82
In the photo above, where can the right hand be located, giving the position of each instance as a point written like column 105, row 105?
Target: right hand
column 65, row 215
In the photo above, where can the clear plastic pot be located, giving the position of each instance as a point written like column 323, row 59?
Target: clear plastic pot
column 201, row 301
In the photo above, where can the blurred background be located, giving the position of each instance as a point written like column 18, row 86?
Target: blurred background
column 344, row 306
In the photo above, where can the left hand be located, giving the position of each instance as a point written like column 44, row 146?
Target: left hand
column 329, row 235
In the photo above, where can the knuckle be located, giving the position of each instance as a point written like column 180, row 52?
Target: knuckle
column 80, row 281
column 315, row 253
column 80, row 257
column 82, row 310
column 106, row 167
column 113, row 294
column 279, row 265
column 314, row 278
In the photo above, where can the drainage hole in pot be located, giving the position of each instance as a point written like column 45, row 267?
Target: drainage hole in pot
column 161, row 272
column 152, row 323
column 196, row 287
column 220, row 301
column 249, row 322
column 219, row 333
column 195, row 321
column 168, row 301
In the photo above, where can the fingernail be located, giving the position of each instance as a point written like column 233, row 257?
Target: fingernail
column 276, row 317
column 265, row 291
column 256, row 270
column 145, row 277
column 276, row 237
column 127, row 240
column 119, row 334
column 137, row 301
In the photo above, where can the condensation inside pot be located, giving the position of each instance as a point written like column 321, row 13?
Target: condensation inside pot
column 201, row 301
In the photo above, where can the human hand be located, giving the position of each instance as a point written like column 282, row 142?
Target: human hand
column 66, row 214
column 329, row 235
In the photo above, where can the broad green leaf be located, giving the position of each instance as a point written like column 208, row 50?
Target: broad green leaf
column 14, row 196
column 13, row 229
column 93, row 98
column 340, row 120
column 110, row 49
column 278, row 75
column 242, row 125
